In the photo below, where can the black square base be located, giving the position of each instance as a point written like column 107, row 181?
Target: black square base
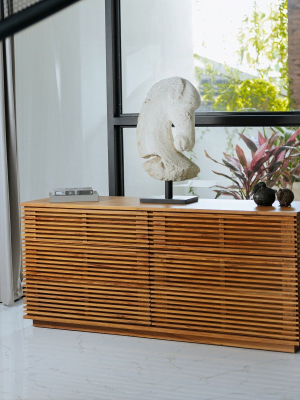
column 174, row 200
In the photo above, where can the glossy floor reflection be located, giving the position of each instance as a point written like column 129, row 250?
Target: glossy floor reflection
column 39, row 364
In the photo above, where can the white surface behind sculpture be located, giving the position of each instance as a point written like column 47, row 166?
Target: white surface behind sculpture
column 172, row 100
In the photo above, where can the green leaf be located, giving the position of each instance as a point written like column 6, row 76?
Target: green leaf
column 259, row 154
column 260, row 163
column 240, row 176
column 229, row 165
column 226, row 176
column 251, row 145
column 233, row 161
column 293, row 137
column 208, row 156
column 280, row 129
column 272, row 167
column 272, row 139
column 227, row 193
column 241, row 155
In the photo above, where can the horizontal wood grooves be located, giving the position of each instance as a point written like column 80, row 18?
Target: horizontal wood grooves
column 92, row 266
column 224, row 234
column 192, row 274
column 224, row 274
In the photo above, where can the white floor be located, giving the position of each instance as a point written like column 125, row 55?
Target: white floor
column 42, row 364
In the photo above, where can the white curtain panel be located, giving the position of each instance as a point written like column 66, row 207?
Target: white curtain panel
column 10, row 235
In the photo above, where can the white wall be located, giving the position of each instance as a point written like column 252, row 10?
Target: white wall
column 157, row 43
column 61, row 102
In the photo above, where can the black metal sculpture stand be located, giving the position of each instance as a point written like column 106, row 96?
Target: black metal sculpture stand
column 168, row 198
column 168, row 190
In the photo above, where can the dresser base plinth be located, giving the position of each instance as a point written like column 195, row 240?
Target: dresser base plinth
column 154, row 333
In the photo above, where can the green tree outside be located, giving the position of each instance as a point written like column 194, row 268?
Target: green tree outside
column 264, row 45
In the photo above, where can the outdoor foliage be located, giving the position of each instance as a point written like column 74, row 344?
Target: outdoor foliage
column 270, row 162
column 292, row 172
column 263, row 42
column 250, row 95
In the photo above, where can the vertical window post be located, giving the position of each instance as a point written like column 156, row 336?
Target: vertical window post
column 114, row 97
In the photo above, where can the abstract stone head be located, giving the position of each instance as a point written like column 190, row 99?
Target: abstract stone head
column 170, row 101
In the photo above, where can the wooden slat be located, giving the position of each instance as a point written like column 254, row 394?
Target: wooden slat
column 212, row 335
column 71, row 249
column 249, row 343
column 207, row 206
column 178, row 265
column 230, row 275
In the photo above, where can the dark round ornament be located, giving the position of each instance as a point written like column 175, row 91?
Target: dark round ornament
column 285, row 197
column 264, row 197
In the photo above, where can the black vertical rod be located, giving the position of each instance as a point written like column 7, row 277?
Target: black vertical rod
column 114, row 97
column 168, row 189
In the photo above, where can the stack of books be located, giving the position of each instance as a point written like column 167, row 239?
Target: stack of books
column 69, row 195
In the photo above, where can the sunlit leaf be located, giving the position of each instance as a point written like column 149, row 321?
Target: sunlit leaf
column 251, row 145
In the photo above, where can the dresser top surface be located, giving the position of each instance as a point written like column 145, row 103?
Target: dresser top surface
column 203, row 205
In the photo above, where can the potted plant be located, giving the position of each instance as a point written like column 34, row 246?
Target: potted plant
column 271, row 161
column 291, row 176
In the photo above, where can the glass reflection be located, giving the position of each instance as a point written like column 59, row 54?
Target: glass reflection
column 240, row 55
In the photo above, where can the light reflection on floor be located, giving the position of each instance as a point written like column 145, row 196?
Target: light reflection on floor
column 37, row 364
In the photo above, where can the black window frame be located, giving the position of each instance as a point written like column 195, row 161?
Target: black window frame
column 117, row 121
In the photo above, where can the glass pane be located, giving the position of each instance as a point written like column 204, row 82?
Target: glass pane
column 216, row 141
column 240, row 55
column 156, row 44
column 137, row 181
column 61, row 102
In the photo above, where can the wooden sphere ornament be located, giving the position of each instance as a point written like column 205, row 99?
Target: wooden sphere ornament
column 285, row 197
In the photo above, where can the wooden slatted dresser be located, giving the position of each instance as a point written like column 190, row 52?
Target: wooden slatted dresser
column 222, row 272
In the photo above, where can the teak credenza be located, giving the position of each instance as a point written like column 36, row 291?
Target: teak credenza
column 222, row 272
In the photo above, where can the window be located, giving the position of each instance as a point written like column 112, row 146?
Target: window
column 242, row 58
column 239, row 62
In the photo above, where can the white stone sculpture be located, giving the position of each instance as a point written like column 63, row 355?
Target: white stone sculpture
column 172, row 100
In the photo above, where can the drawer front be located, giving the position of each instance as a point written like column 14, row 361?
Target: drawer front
column 86, row 266
column 224, row 233
column 206, row 276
